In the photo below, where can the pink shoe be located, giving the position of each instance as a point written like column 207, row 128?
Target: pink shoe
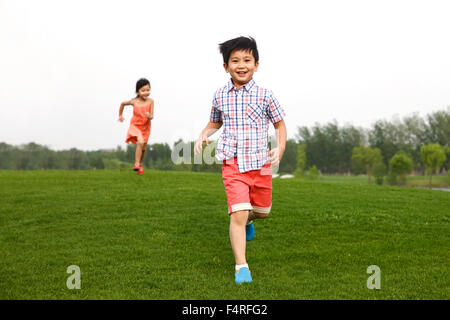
column 136, row 167
column 141, row 170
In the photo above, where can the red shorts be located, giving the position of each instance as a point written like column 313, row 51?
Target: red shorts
column 251, row 190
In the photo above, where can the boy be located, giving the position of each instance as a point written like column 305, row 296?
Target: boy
column 244, row 109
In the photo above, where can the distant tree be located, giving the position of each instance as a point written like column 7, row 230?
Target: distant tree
column 366, row 157
column 7, row 153
column 95, row 160
column 158, row 156
column 130, row 153
column 30, row 156
column 447, row 154
column 385, row 136
column 433, row 156
column 438, row 129
column 76, row 159
column 121, row 154
column 289, row 161
column 400, row 165
column 49, row 159
column 330, row 146
column 415, row 128
column 350, row 138
column 301, row 160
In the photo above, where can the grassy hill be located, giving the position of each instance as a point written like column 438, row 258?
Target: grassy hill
column 164, row 235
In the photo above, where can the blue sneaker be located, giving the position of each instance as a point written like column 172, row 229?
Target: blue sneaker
column 249, row 231
column 242, row 275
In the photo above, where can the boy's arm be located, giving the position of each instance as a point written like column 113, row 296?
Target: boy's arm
column 277, row 153
column 209, row 130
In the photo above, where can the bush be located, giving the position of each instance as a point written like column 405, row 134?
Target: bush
column 379, row 172
column 391, row 179
column 379, row 180
column 367, row 158
column 313, row 173
column 400, row 166
column 298, row 173
column 433, row 157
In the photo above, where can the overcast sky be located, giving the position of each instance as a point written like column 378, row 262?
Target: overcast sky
column 65, row 66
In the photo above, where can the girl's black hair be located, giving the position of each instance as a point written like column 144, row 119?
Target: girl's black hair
column 240, row 43
column 141, row 83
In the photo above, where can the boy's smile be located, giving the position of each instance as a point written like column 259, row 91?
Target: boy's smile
column 241, row 66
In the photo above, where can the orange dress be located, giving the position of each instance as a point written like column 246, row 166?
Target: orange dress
column 139, row 124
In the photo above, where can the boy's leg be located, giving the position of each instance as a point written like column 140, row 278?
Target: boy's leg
column 250, row 228
column 238, row 200
column 261, row 193
column 238, row 221
column 256, row 215
column 260, row 197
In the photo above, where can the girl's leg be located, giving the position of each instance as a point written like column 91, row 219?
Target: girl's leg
column 238, row 221
column 144, row 148
column 138, row 153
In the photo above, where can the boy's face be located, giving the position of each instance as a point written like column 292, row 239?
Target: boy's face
column 241, row 67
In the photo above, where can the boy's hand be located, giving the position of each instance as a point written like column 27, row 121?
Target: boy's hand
column 210, row 128
column 121, row 118
column 275, row 156
column 199, row 144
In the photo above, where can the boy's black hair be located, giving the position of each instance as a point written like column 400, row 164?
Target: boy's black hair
column 142, row 82
column 240, row 43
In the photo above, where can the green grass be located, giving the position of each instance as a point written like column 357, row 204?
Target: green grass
column 361, row 179
column 424, row 181
column 164, row 235
column 438, row 181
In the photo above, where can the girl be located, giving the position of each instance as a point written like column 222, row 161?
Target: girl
column 140, row 123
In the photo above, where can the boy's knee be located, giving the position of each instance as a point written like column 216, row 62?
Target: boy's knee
column 260, row 215
column 239, row 217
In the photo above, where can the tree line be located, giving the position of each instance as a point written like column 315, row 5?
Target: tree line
column 329, row 148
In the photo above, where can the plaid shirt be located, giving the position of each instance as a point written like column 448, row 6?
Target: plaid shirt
column 245, row 114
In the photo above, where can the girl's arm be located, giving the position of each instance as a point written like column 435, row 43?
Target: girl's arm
column 152, row 108
column 152, row 105
column 122, row 106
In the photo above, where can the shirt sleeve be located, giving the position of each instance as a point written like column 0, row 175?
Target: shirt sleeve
column 274, row 110
column 216, row 114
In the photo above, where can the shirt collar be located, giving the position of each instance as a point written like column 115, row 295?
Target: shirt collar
column 248, row 86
